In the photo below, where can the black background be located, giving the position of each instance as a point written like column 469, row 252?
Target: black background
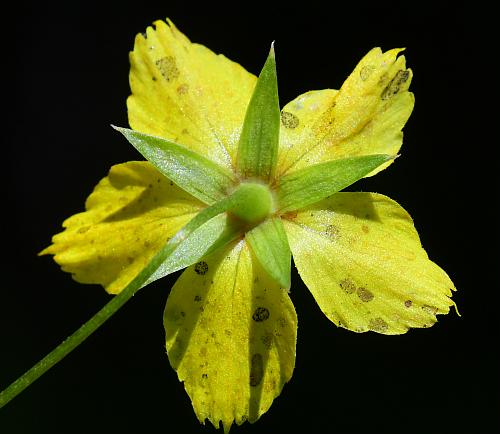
column 69, row 82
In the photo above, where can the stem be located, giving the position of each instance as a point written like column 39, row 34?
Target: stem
column 118, row 301
column 83, row 332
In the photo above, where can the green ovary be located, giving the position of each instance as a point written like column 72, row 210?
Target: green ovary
column 253, row 202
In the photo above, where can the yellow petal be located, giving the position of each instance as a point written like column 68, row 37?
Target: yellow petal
column 360, row 256
column 186, row 93
column 129, row 216
column 231, row 334
column 364, row 117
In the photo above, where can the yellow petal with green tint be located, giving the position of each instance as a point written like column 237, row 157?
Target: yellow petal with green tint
column 185, row 93
column 129, row 216
column 364, row 117
column 360, row 256
column 231, row 334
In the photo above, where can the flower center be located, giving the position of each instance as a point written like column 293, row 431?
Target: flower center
column 253, row 202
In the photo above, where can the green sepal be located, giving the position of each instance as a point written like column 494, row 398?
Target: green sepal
column 258, row 145
column 269, row 243
column 208, row 237
column 314, row 183
column 203, row 234
column 199, row 176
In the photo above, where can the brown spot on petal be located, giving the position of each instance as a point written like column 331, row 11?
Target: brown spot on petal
column 395, row 84
column 408, row 303
column 267, row 340
column 256, row 370
column 378, row 325
column 348, row 286
column 365, row 229
column 260, row 314
column 182, row 89
column 332, row 231
column 201, row 268
column 366, row 71
column 289, row 120
column 365, row 295
column 168, row 68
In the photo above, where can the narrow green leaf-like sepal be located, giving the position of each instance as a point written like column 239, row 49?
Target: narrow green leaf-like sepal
column 197, row 175
column 208, row 237
column 258, row 146
column 207, row 231
column 270, row 245
column 314, row 183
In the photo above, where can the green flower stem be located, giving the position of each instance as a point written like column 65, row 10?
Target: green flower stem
column 245, row 194
column 111, row 307
column 84, row 331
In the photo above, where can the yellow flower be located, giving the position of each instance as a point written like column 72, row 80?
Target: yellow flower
column 230, row 325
